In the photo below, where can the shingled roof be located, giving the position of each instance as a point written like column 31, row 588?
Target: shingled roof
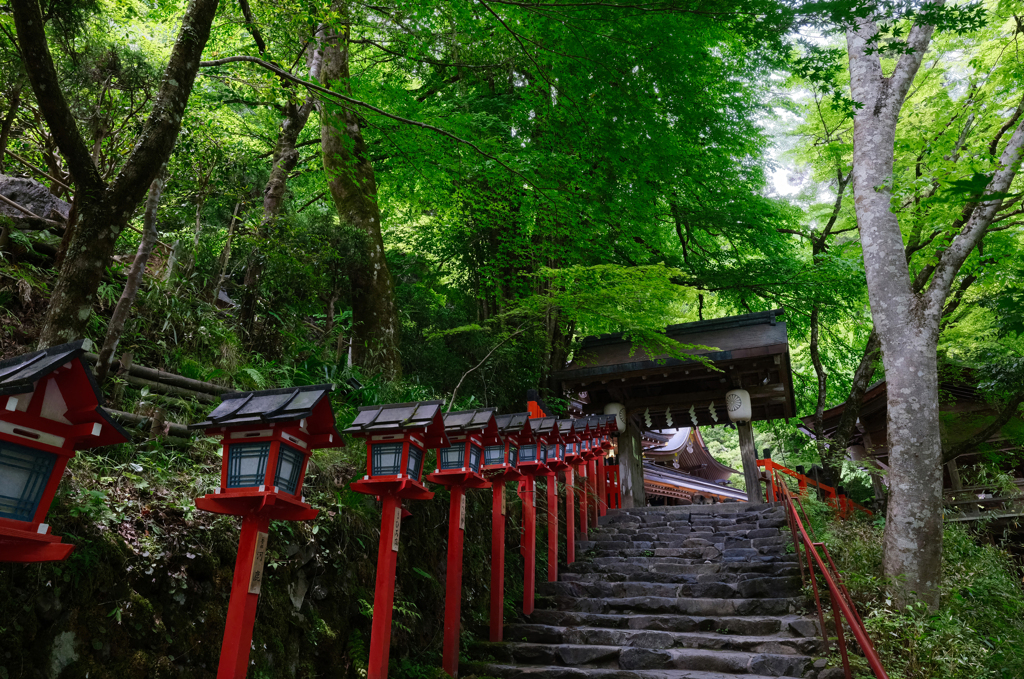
column 21, row 374
column 425, row 415
column 265, row 407
column 480, row 421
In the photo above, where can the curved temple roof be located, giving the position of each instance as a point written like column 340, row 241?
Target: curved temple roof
column 687, row 446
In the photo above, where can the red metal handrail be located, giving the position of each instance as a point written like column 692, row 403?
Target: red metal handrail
column 842, row 603
column 843, row 504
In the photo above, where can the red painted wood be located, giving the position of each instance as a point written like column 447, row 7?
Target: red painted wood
column 583, row 481
column 570, row 517
column 497, row 562
column 529, row 543
column 453, row 586
column 602, row 489
column 234, row 652
column 384, row 592
column 552, row 482
column 592, row 491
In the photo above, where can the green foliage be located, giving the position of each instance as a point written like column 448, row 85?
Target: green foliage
column 977, row 630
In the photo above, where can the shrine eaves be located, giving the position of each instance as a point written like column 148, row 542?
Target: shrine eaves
column 751, row 352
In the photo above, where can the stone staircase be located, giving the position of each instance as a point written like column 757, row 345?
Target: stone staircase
column 698, row 592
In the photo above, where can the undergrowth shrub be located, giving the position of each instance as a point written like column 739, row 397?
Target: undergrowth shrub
column 978, row 630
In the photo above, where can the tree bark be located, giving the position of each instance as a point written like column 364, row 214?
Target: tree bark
column 353, row 188
column 907, row 323
column 104, row 210
column 631, row 470
column 286, row 156
column 131, row 287
column 5, row 127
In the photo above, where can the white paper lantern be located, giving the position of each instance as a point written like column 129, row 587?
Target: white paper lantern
column 737, row 402
column 619, row 411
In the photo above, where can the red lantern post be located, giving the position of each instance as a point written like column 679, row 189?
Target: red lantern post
column 548, row 432
column 397, row 436
column 500, row 466
column 50, row 406
column 458, row 468
column 268, row 437
column 531, row 465
column 572, row 431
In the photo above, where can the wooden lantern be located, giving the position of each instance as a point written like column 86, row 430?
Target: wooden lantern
column 267, row 438
column 50, row 406
column 458, row 468
column 397, row 438
column 500, row 465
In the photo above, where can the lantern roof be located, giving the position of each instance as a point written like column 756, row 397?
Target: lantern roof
column 272, row 406
column 515, row 424
column 547, row 429
column 422, row 416
column 480, row 421
column 76, row 398
column 567, row 430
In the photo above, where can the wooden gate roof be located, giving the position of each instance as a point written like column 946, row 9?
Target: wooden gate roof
column 749, row 351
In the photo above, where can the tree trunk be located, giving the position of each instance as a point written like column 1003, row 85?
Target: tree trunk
column 131, row 287
column 5, row 128
column 104, row 209
column 213, row 290
column 908, row 335
column 285, row 158
column 353, row 187
column 631, row 469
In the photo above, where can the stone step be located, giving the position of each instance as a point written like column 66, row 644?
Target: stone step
column 752, row 624
column 674, row 606
column 681, row 573
column 637, row 658
column 626, row 566
column 599, row 636
column 556, row 672
column 743, row 589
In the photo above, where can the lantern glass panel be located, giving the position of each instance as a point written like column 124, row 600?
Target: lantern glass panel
column 24, row 473
column 289, row 465
column 556, row 452
column 415, row 465
column 474, row 457
column 528, row 453
column 386, row 459
column 494, row 455
column 451, row 457
column 513, row 455
column 247, row 464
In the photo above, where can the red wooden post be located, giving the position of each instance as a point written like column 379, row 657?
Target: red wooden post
column 583, row 481
column 602, row 489
column 497, row 560
column 592, row 491
column 384, row 592
column 453, row 582
column 529, row 496
column 552, row 482
column 570, row 518
column 245, row 588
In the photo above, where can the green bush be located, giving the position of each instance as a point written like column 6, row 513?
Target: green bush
column 978, row 630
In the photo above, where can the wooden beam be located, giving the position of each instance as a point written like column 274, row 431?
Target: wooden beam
column 701, row 398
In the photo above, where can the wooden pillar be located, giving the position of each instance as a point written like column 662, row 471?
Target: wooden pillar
column 384, row 593
column 528, row 493
column 453, row 582
column 252, row 543
column 748, row 453
column 570, row 517
column 552, row 521
column 497, row 560
column 631, row 469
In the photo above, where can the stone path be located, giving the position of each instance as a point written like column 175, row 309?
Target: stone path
column 699, row 592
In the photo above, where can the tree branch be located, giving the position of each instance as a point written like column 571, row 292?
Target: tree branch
column 482, row 361
column 47, row 89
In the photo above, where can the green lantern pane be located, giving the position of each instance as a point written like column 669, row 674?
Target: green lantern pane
column 24, row 473
column 247, row 464
column 386, row 459
column 289, row 464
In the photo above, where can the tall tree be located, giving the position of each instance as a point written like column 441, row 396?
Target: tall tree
column 907, row 316
column 353, row 187
column 104, row 208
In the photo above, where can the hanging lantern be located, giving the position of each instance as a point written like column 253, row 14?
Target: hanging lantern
column 737, row 403
column 619, row 411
